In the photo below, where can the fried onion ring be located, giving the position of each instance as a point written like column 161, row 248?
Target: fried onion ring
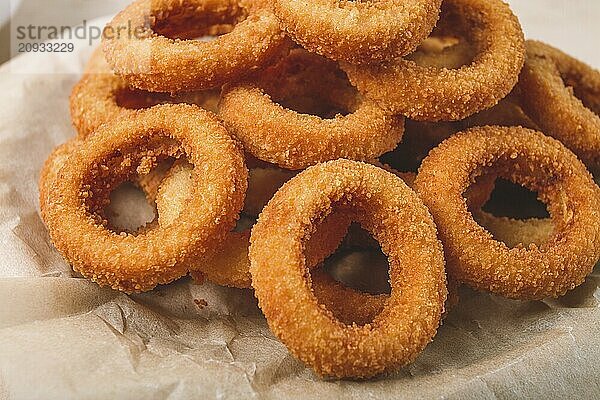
column 101, row 96
column 294, row 140
column 421, row 92
column 356, row 31
column 230, row 266
column 394, row 215
column 562, row 95
column 150, row 61
column 539, row 163
column 79, row 192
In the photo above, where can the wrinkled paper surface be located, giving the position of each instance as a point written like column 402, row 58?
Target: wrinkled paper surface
column 64, row 337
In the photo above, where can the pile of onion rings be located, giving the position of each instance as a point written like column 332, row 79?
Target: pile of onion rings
column 265, row 134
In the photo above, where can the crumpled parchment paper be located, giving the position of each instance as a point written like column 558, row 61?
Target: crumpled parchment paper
column 64, row 337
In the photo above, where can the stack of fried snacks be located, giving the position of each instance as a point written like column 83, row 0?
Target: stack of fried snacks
column 313, row 117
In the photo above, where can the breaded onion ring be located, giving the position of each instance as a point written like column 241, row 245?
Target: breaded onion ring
column 101, row 96
column 439, row 94
column 357, row 31
column 394, row 215
column 539, row 163
column 562, row 95
column 79, row 192
column 230, row 266
column 137, row 50
column 294, row 140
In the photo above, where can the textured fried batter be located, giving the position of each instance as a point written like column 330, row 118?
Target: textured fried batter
column 230, row 266
column 255, row 112
column 562, row 95
column 50, row 172
column 358, row 31
column 542, row 165
column 160, row 57
column 394, row 215
column 101, row 96
column 441, row 94
column 75, row 197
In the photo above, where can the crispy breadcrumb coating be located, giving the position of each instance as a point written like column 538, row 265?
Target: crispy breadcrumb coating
column 541, row 164
column 394, row 215
column 426, row 93
column 562, row 95
column 149, row 60
column 358, row 31
column 73, row 199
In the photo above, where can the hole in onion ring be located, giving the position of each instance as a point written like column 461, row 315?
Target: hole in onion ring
column 135, row 99
column 129, row 210
column 353, row 281
column 119, row 170
column 365, row 270
column 308, row 88
column 514, row 201
column 186, row 23
column 443, row 51
column 514, row 215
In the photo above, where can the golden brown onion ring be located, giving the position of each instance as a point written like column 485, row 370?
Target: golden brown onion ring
column 562, row 95
column 357, row 31
column 539, row 163
column 295, row 140
column 101, row 96
column 155, row 50
column 439, row 94
column 75, row 197
column 394, row 215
